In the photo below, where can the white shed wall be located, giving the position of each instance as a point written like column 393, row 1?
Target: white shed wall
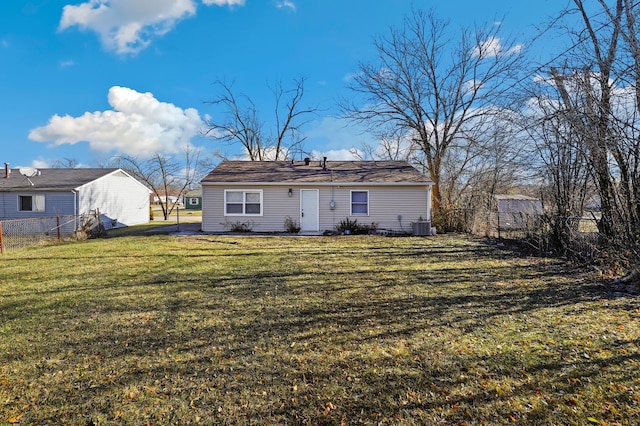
column 121, row 200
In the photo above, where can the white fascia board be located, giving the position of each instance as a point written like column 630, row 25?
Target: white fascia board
column 113, row 173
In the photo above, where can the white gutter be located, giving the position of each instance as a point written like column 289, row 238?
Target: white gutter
column 75, row 210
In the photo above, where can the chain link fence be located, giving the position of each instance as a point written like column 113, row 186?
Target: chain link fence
column 577, row 237
column 18, row 233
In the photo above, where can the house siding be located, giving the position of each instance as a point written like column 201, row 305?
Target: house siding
column 55, row 203
column 188, row 205
column 120, row 199
column 386, row 203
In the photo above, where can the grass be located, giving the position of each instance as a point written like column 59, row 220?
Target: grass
column 178, row 212
column 310, row 330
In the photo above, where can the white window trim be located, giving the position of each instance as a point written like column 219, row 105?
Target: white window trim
column 37, row 203
column 194, row 201
column 351, row 202
column 244, row 192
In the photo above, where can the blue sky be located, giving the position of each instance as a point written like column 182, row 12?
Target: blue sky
column 88, row 80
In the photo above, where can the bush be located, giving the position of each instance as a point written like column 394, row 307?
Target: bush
column 354, row 227
column 452, row 220
column 291, row 226
column 239, row 226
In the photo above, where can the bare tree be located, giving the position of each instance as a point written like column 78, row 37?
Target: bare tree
column 240, row 122
column 566, row 180
column 392, row 147
column 65, row 163
column 495, row 165
column 436, row 90
column 588, row 127
column 607, row 119
column 165, row 175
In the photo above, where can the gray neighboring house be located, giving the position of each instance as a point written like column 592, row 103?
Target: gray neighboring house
column 30, row 193
column 317, row 195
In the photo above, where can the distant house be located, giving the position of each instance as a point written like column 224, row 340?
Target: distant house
column 316, row 195
column 164, row 199
column 193, row 200
column 31, row 193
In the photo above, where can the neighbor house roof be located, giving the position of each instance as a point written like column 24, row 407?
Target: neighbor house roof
column 52, row 179
column 316, row 172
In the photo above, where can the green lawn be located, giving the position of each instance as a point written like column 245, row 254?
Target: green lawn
column 310, row 330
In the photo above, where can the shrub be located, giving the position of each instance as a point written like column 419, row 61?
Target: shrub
column 291, row 226
column 354, row 227
column 239, row 226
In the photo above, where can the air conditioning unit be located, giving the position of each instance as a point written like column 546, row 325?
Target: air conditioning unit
column 422, row 228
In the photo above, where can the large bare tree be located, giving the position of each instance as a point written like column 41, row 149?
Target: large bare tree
column 435, row 88
column 240, row 121
column 588, row 128
column 605, row 72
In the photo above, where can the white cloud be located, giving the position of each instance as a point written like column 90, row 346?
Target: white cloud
column 66, row 64
column 224, row 2
column 128, row 26
column 347, row 78
column 40, row 164
column 337, row 154
column 138, row 125
column 492, row 47
column 286, row 4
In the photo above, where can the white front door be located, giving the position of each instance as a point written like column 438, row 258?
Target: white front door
column 309, row 210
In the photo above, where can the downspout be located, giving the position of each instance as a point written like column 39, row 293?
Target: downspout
column 75, row 210
column 429, row 203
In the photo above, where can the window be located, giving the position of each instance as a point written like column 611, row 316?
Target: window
column 243, row 203
column 359, row 203
column 194, row 201
column 31, row 203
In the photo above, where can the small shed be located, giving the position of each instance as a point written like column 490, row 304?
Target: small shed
column 515, row 212
column 193, row 199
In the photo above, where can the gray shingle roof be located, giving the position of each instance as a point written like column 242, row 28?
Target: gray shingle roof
column 299, row 172
column 51, row 179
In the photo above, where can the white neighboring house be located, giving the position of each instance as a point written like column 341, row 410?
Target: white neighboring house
column 317, row 195
column 121, row 199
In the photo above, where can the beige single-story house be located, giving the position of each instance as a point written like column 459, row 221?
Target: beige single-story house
column 317, row 195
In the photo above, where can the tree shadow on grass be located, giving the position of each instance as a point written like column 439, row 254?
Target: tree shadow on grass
column 413, row 342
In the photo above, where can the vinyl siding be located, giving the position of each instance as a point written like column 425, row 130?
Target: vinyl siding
column 385, row 204
column 277, row 205
column 56, row 203
column 120, row 199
